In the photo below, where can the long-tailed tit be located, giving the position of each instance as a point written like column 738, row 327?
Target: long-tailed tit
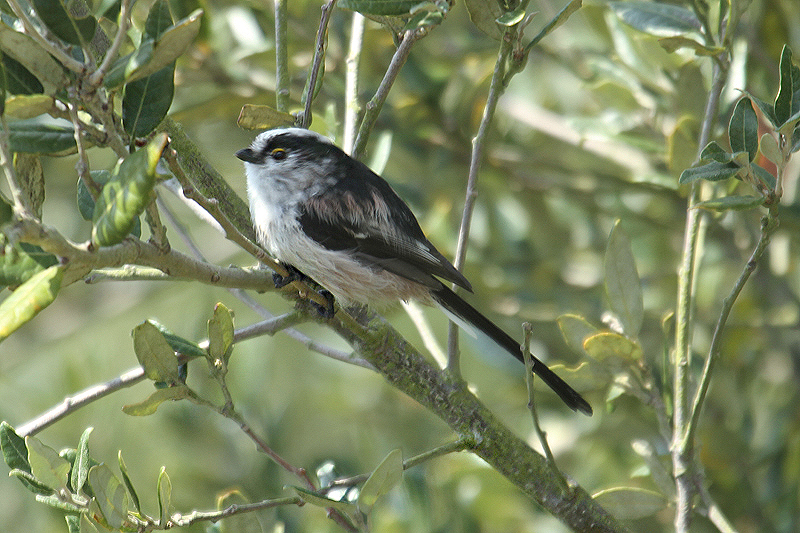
column 329, row 216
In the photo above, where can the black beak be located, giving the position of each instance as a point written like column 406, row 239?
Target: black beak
column 248, row 155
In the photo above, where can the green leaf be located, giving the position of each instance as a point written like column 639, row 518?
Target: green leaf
column 623, row 287
column 21, row 261
column 123, row 468
column 239, row 523
column 575, row 329
column 178, row 343
column 714, row 171
column 783, row 101
column 80, row 467
column 155, row 354
column 164, row 489
column 764, row 176
column 159, row 396
column 386, row 8
column 146, row 101
column 768, row 146
column 484, row 15
column 382, row 480
column 743, row 128
column 731, row 203
column 110, row 495
column 127, row 194
column 32, row 136
column 631, row 503
column 671, row 44
column 15, row 453
column 55, row 501
column 47, row 466
column 77, row 31
column 510, row 18
column 154, row 55
column 20, row 80
column 33, row 57
column 321, row 501
column 613, row 348
column 29, row 299
column 262, row 117
column 73, row 523
column 660, row 20
column 30, row 482
column 159, row 20
column 766, row 108
column 220, row 335
column 28, row 106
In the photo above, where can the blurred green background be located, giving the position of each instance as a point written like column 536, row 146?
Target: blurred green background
column 596, row 128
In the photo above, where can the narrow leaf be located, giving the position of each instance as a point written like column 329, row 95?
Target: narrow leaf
column 714, row 171
column 783, row 102
column 80, row 467
column 54, row 501
column 29, row 299
column 764, row 176
column 321, row 501
column 30, row 482
column 164, row 496
column 155, row 354
column 382, row 480
column 123, row 468
column 178, row 343
column 623, row 287
column 15, row 453
column 631, row 503
column 766, row 108
column 386, row 8
column 34, row 137
column 19, row 79
column 731, row 203
column 743, row 128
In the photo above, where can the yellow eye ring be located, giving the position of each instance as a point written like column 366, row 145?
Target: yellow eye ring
column 278, row 154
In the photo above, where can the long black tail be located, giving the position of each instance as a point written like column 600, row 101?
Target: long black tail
column 460, row 308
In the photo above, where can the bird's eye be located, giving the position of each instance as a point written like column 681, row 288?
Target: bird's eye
column 278, row 154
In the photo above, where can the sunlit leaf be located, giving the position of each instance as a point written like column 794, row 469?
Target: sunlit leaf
column 660, row 20
column 27, row 106
column 385, row 476
column 220, row 334
column 575, row 329
column 123, row 468
column 484, row 14
column 155, row 354
column 21, row 261
column 110, row 495
column 613, row 348
column 164, row 490
column 623, row 287
column 783, row 101
column 631, row 503
column 671, row 44
column 33, row 57
column 15, row 453
column 150, row 404
column 768, row 146
column 127, row 194
column 80, row 467
column 29, row 299
column 731, row 203
column 47, row 466
column 386, row 8
column 321, row 501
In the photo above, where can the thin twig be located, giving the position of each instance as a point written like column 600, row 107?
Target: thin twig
column 96, row 79
column 496, row 89
column 526, row 354
column 282, row 91
column 236, row 509
column 373, row 107
column 351, row 105
column 450, row 447
column 319, row 58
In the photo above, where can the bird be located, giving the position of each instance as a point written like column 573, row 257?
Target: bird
column 329, row 217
